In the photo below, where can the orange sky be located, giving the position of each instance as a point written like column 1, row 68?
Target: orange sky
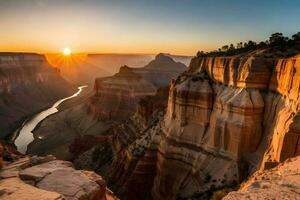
column 140, row 26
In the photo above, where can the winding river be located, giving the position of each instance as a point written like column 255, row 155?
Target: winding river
column 25, row 136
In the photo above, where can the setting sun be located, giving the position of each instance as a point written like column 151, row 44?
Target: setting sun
column 67, row 51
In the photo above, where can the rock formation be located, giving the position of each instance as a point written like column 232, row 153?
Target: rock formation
column 114, row 99
column 281, row 182
column 226, row 118
column 28, row 84
column 134, row 144
column 221, row 116
column 44, row 178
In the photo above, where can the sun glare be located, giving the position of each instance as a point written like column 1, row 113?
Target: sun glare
column 67, row 51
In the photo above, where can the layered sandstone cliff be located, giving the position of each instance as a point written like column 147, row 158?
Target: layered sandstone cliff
column 27, row 85
column 116, row 97
column 134, row 144
column 223, row 115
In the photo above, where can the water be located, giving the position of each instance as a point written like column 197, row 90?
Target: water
column 25, row 136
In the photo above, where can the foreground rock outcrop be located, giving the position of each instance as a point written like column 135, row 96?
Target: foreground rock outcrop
column 44, row 178
column 28, row 84
column 281, row 182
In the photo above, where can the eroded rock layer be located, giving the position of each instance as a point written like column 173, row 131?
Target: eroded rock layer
column 116, row 97
column 226, row 118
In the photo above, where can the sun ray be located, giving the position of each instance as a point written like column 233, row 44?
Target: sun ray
column 67, row 63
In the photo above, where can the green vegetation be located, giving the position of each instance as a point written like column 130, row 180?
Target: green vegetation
column 277, row 41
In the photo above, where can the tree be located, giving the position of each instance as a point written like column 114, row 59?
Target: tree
column 200, row 53
column 278, row 40
column 225, row 48
column 262, row 45
column 231, row 47
column 239, row 45
column 296, row 37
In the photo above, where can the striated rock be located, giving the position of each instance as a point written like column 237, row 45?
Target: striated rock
column 235, row 121
column 191, row 159
column 282, row 182
column 116, row 97
column 252, row 70
column 134, row 145
column 224, row 121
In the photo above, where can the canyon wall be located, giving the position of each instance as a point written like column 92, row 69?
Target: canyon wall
column 116, row 97
column 28, row 84
column 226, row 118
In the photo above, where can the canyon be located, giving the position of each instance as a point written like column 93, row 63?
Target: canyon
column 113, row 100
column 28, row 84
column 221, row 121
column 226, row 118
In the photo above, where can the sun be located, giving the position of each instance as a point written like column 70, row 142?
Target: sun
column 67, row 51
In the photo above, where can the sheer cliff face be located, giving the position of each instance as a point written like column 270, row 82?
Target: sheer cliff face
column 116, row 97
column 227, row 117
column 27, row 84
column 134, row 144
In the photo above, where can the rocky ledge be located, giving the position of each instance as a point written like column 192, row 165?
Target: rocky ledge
column 45, row 178
column 281, row 182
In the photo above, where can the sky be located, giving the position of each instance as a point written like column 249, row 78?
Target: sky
column 141, row 26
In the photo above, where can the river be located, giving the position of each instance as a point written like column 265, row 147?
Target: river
column 25, row 136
